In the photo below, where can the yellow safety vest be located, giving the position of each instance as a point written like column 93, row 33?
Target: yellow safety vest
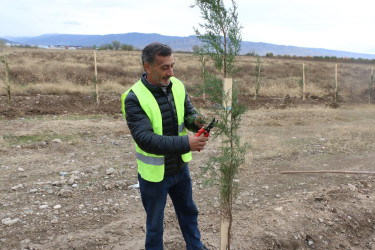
column 151, row 166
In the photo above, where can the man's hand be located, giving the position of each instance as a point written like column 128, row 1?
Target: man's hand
column 197, row 143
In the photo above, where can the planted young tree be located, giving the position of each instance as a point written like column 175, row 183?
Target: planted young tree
column 221, row 39
column 258, row 70
column 7, row 79
column 202, row 59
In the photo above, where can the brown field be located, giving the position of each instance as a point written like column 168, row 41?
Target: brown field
column 44, row 72
column 67, row 164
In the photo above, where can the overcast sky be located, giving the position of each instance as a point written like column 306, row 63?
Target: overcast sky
column 331, row 24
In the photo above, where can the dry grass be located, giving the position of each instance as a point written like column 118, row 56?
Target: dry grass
column 312, row 131
column 281, row 77
column 72, row 71
column 52, row 88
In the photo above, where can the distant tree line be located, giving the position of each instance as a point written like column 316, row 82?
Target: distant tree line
column 115, row 45
column 315, row 58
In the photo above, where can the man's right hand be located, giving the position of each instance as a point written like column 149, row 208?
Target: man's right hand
column 197, row 143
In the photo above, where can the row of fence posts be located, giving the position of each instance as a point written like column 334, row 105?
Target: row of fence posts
column 336, row 84
column 96, row 94
column 229, row 86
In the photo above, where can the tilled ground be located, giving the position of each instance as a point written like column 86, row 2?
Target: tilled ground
column 24, row 106
column 67, row 183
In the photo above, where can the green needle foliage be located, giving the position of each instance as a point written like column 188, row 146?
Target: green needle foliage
column 222, row 37
column 197, row 51
column 94, row 94
column 232, row 152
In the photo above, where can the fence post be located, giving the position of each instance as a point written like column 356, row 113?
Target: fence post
column 371, row 83
column 227, row 89
column 303, row 82
column 7, row 79
column 96, row 80
column 336, row 84
column 225, row 221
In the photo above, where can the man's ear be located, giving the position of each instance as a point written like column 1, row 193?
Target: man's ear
column 146, row 66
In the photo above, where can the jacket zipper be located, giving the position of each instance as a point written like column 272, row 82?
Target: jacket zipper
column 173, row 109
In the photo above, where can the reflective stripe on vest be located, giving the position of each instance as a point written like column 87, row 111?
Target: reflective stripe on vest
column 151, row 166
column 181, row 127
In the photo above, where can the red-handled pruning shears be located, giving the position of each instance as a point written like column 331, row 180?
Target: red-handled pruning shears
column 206, row 130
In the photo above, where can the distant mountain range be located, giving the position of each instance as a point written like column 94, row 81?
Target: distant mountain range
column 140, row 40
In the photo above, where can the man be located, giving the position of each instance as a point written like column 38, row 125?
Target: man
column 157, row 110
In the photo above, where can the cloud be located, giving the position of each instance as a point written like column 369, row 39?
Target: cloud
column 332, row 24
column 72, row 23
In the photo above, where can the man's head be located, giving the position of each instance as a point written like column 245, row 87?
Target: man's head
column 158, row 62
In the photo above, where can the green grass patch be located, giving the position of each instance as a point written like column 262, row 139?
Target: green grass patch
column 23, row 139
column 342, row 119
column 75, row 117
column 297, row 142
column 12, row 140
column 66, row 117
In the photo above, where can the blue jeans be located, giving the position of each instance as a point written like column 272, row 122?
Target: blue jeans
column 154, row 198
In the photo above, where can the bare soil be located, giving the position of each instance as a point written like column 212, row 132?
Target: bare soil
column 67, row 169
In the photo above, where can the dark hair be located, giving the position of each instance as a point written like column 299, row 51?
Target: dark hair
column 153, row 49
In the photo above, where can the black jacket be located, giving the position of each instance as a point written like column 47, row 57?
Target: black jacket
column 169, row 144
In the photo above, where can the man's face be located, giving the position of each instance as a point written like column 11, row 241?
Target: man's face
column 159, row 72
